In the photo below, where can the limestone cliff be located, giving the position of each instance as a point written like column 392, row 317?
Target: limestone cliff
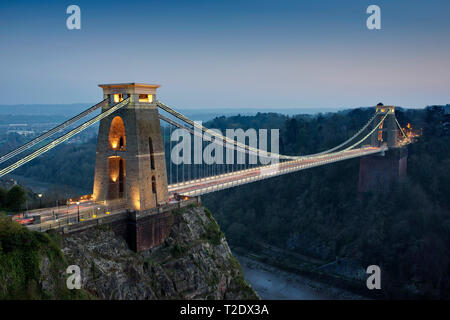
column 195, row 262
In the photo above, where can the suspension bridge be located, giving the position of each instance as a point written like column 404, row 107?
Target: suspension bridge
column 133, row 171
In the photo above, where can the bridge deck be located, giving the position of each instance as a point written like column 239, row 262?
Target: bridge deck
column 229, row 180
column 91, row 209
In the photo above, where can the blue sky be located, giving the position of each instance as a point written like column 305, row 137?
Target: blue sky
column 209, row 54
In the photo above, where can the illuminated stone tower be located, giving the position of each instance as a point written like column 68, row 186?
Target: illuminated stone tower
column 379, row 172
column 130, row 165
column 387, row 132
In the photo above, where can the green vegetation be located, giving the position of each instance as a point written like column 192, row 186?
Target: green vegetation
column 178, row 212
column 3, row 194
column 13, row 199
column 22, row 253
column 103, row 227
column 243, row 287
column 178, row 250
column 192, row 205
column 319, row 213
column 213, row 233
column 239, row 282
column 54, row 166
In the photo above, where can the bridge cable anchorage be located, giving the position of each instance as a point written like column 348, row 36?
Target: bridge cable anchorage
column 348, row 140
column 51, row 132
column 219, row 136
column 368, row 135
column 63, row 138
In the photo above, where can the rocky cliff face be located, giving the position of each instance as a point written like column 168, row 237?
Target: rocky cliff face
column 195, row 262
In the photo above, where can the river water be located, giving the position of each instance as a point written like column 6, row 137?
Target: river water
column 274, row 284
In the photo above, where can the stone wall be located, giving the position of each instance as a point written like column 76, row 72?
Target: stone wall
column 378, row 172
column 142, row 230
column 146, row 232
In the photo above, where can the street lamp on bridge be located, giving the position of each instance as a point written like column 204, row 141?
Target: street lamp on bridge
column 40, row 200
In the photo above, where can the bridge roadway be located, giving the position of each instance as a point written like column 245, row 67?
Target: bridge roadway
column 92, row 210
column 68, row 214
column 232, row 179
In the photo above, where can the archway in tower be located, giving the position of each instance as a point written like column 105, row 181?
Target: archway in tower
column 117, row 174
column 117, row 139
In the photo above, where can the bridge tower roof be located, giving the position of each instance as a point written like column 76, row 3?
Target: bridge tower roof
column 129, row 88
column 385, row 109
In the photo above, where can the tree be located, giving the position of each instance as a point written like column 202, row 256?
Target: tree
column 8, row 227
column 15, row 198
column 2, row 197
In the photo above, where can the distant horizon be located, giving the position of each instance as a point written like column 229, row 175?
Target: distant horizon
column 206, row 108
column 65, row 111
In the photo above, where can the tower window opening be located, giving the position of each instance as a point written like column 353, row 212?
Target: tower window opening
column 380, row 132
column 118, row 97
column 380, row 135
column 150, row 150
column 117, row 139
column 147, row 98
column 121, row 177
column 154, row 185
column 117, row 176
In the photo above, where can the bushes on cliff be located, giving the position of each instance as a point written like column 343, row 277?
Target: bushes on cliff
column 213, row 233
column 19, row 261
column 3, row 193
column 21, row 255
column 178, row 250
column 12, row 199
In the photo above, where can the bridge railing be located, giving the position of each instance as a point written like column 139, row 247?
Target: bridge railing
column 84, row 215
column 275, row 170
column 96, row 215
column 170, row 206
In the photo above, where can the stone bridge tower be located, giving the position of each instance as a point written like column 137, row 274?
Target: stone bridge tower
column 387, row 132
column 130, row 165
column 378, row 172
